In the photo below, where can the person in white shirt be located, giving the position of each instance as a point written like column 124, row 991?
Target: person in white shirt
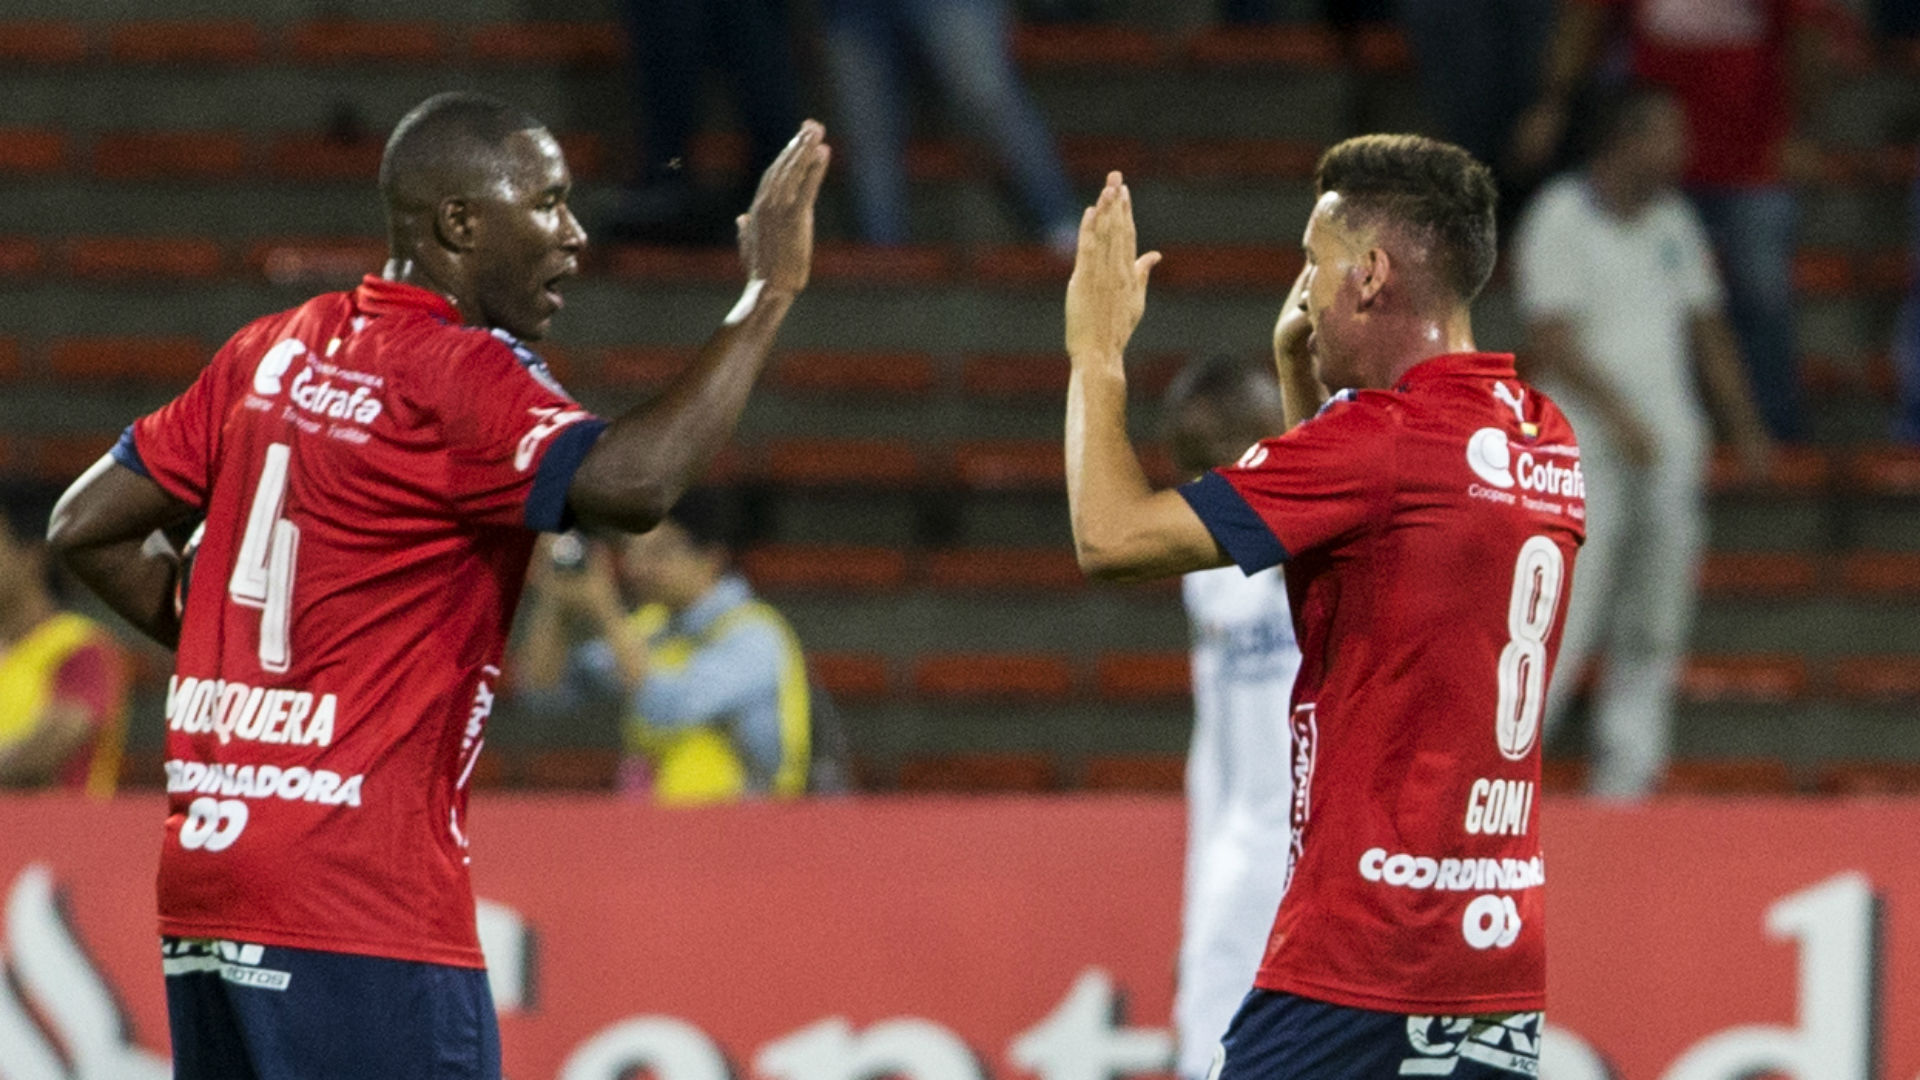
column 1239, row 769
column 1624, row 318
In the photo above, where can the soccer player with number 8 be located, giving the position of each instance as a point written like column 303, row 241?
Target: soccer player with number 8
column 1428, row 515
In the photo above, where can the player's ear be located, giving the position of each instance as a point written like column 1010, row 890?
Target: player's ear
column 454, row 225
column 1375, row 268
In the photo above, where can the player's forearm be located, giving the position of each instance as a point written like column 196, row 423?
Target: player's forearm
column 103, row 530
column 1104, row 478
column 1301, row 395
column 650, row 455
column 134, row 580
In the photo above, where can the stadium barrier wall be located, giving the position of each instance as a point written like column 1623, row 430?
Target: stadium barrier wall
column 965, row 939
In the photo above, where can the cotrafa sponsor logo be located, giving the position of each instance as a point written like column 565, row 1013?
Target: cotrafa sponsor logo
column 1490, row 455
column 320, row 388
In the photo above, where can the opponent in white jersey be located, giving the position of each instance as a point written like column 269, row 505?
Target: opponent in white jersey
column 1239, row 776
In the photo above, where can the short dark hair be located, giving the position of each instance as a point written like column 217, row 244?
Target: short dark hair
column 1435, row 189
column 445, row 142
column 1215, row 378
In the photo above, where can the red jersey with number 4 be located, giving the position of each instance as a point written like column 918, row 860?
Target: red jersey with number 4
column 372, row 475
column 1429, row 534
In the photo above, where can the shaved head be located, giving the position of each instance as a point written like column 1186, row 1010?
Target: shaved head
column 450, row 146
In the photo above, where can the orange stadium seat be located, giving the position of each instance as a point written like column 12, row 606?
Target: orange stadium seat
column 316, row 260
column 31, row 151
column 994, row 677
column 170, row 359
column 929, row 159
column 857, row 264
column 826, row 567
column 1016, row 375
column 1086, row 45
column 1797, row 470
column 1868, row 778
column 1887, row 271
column 20, row 256
column 1878, row 679
column 1135, row 772
column 1379, row 47
column 186, row 41
column 643, row 366
column 1138, row 676
column 1192, row 266
column 170, row 155
column 1754, row 679
column 1881, row 573
column 587, row 44
column 890, row 374
column 321, row 157
column 1244, row 159
column 955, row 773
column 851, row 676
column 1563, row 776
column 1758, row 574
column 1010, row 465
column 1277, row 45
column 586, row 153
column 672, row 265
column 1009, row 569
column 1890, row 471
column 59, row 459
column 9, row 359
column 571, row 768
column 1091, row 157
column 840, row 463
column 351, row 41
column 42, row 41
column 1818, row 272
column 1019, row 266
column 161, row 257
column 1729, row 776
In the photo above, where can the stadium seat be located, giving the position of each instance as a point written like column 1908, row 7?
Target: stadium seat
column 170, row 155
column 1143, row 676
column 1381, row 47
column 321, row 157
column 321, row 261
column 1758, row 574
column 1886, row 272
column 586, row 153
column 493, row 769
column 1243, row 159
column 1818, row 272
column 1015, row 375
column 186, row 41
column 31, row 151
column 58, row 459
column 1728, row 776
column 840, row 463
column 170, row 359
column 876, row 374
column 994, row 677
column 1892, row 471
column 833, row 568
column 186, row 258
column 1563, row 776
column 9, row 359
column 670, row 265
column 351, row 41
column 1751, row 679
column 1090, row 157
column 1135, row 772
column 548, row 44
column 572, row 768
column 859, row 264
column 1190, row 266
column 1797, row 470
column 1003, row 569
column 1081, row 45
column 1020, row 267
column 1275, row 45
column 978, row 773
column 931, row 159
column 1868, row 778
column 20, row 256
column 1878, row 679
column 42, row 41
column 1881, row 573
column 1010, row 465
column 642, row 366
column 851, row 677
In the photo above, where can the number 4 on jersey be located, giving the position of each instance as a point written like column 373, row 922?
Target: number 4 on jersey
column 263, row 573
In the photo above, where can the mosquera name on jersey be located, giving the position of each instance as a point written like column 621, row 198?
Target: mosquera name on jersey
column 1429, row 533
column 373, row 475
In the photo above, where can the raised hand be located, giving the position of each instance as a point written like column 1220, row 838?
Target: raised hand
column 776, row 232
column 1108, row 291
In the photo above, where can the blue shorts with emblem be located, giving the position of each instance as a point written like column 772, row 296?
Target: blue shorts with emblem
column 1278, row 1036
column 263, row 1012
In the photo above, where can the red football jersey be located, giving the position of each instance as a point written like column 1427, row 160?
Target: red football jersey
column 372, row 474
column 1429, row 534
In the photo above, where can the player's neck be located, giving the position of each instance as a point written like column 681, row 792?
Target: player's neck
column 1416, row 337
column 1618, row 193
column 409, row 271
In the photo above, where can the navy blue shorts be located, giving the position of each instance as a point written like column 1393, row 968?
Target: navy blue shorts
column 263, row 1012
column 1282, row 1037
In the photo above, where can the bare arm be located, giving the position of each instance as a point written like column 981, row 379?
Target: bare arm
column 1123, row 530
column 1301, row 393
column 1551, row 347
column 649, row 455
column 1732, row 396
column 1578, row 36
column 101, row 531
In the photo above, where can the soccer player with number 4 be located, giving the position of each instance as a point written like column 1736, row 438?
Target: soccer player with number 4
column 373, row 467
column 1428, row 515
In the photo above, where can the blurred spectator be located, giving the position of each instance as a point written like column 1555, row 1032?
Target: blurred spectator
column 1240, row 767
column 1747, row 74
column 1479, row 66
column 62, row 677
column 1906, row 345
column 964, row 45
column 675, row 42
column 717, row 703
column 1623, row 307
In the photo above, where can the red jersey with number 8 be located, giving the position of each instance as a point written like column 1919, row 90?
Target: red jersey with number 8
column 1429, row 533
column 372, row 475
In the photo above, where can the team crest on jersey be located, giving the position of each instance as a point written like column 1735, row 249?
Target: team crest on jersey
column 530, row 360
